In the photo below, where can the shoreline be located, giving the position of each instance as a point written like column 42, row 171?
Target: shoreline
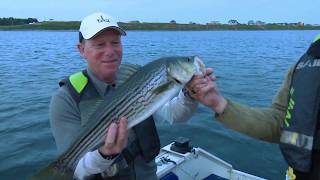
column 74, row 26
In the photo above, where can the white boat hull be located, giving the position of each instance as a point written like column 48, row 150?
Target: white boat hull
column 196, row 165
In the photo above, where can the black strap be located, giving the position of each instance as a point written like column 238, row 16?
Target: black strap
column 131, row 152
column 150, row 145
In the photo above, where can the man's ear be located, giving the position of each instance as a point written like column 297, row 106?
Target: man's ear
column 80, row 47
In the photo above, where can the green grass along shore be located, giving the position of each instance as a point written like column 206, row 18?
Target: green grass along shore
column 74, row 25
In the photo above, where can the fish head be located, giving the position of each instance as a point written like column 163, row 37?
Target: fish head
column 181, row 69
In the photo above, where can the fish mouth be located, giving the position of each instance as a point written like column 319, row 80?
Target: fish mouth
column 199, row 66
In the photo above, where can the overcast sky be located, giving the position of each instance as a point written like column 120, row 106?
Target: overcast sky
column 183, row 11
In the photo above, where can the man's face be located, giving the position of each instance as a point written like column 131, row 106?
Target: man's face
column 103, row 54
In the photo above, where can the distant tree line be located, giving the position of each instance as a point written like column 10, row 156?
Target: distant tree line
column 16, row 21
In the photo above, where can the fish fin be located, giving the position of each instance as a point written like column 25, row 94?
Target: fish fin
column 52, row 173
column 162, row 87
column 125, row 72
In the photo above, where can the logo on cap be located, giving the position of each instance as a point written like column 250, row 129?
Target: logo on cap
column 102, row 19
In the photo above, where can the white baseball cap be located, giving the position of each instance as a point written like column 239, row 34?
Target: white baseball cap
column 96, row 22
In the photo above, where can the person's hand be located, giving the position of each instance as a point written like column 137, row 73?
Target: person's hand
column 116, row 139
column 205, row 90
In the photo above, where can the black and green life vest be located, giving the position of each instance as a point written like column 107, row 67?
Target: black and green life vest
column 300, row 136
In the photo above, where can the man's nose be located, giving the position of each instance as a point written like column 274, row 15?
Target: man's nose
column 109, row 50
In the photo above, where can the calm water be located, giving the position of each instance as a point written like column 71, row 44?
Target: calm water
column 250, row 66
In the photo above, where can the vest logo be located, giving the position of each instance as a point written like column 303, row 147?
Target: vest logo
column 102, row 19
column 309, row 64
column 291, row 104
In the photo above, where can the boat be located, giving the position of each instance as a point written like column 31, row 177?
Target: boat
column 180, row 161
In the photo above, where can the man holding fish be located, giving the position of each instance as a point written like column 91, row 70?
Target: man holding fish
column 91, row 112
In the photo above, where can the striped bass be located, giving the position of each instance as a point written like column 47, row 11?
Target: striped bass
column 139, row 97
